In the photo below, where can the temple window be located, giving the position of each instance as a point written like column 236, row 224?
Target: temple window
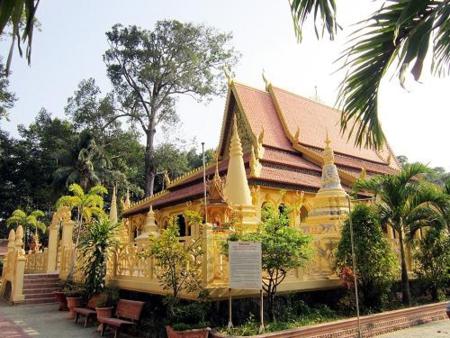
column 303, row 214
column 181, row 224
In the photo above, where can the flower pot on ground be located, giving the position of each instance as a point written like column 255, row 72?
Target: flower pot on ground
column 73, row 302
column 180, row 332
column 448, row 310
column 104, row 312
column 61, row 299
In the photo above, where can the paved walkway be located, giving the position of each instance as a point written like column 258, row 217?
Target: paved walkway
column 431, row 330
column 41, row 321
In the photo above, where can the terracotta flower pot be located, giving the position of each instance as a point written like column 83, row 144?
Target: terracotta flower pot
column 73, row 302
column 104, row 312
column 448, row 310
column 196, row 333
column 61, row 299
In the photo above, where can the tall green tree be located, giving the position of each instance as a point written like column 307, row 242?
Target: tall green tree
column 377, row 265
column 405, row 202
column 398, row 37
column 7, row 98
column 151, row 69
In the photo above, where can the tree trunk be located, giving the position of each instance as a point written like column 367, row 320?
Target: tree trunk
column 406, row 294
column 150, row 171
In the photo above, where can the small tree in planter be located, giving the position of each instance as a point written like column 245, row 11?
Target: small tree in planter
column 95, row 246
column 283, row 248
column 377, row 264
column 178, row 268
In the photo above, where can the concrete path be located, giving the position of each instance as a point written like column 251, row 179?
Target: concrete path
column 43, row 320
column 431, row 330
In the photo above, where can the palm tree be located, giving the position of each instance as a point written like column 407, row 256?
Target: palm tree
column 20, row 217
column 406, row 203
column 400, row 32
column 76, row 164
column 87, row 205
column 20, row 16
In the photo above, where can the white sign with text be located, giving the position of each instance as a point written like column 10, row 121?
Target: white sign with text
column 245, row 265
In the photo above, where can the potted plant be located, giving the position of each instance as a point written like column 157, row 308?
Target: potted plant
column 73, row 294
column 105, row 303
column 61, row 299
column 178, row 270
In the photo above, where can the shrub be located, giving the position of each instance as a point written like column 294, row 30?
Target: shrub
column 376, row 263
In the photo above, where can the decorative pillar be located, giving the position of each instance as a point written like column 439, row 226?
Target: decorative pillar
column 17, row 283
column 67, row 233
column 113, row 208
column 52, row 250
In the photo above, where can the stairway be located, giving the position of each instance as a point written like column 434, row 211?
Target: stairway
column 39, row 288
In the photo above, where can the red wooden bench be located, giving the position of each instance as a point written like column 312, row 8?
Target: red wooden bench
column 128, row 313
column 88, row 311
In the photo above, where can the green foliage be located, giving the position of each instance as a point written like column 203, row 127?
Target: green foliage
column 150, row 69
column 377, row 265
column 283, row 248
column 433, row 260
column 178, row 264
column 405, row 202
column 298, row 316
column 398, row 35
column 7, row 98
column 95, row 246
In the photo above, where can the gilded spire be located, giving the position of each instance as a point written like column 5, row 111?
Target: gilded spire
column 328, row 154
column 113, row 209
column 127, row 202
column 236, row 191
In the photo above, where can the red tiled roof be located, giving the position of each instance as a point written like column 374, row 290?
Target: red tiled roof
column 289, row 176
column 314, row 120
column 260, row 112
column 288, row 158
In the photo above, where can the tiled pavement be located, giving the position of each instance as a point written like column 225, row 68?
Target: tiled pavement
column 439, row 329
column 43, row 321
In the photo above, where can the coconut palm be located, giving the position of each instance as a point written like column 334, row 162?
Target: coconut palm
column 87, row 205
column 20, row 217
column 20, row 16
column 406, row 203
column 401, row 32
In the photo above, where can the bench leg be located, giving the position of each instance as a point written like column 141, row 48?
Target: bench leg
column 77, row 316
column 86, row 321
column 116, row 332
column 103, row 329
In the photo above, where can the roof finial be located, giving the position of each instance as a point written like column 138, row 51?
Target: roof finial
column 328, row 154
column 266, row 81
column 113, row 208
column 228, row 74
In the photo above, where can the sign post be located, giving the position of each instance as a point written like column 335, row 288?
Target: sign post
column 245, row 271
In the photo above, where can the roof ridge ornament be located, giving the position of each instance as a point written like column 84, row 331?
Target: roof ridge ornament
column 228, row 74
column 328, row 153
column 267, row 82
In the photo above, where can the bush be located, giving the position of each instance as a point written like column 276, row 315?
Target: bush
column 376, row 263
column 433, row 262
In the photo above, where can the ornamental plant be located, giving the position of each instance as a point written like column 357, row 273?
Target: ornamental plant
column 95, row 246
column 433, row 261
column 283, row 248
column 376, row 263
column 178, row 264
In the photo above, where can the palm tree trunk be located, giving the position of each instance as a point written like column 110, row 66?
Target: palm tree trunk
column 406, row 293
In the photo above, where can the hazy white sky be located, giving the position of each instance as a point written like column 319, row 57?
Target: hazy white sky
column 72, row 40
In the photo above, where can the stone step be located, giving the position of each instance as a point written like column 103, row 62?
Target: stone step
column 43, row 300
column 41, row 284
column 41, row 276
column 39, row 295
column 29, row 291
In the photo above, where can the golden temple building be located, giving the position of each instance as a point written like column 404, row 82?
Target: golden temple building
column 276, row 149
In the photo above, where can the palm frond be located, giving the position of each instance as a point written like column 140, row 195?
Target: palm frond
column 324, row 12
column 77, row 190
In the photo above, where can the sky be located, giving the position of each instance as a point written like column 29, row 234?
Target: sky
column 71, row 41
